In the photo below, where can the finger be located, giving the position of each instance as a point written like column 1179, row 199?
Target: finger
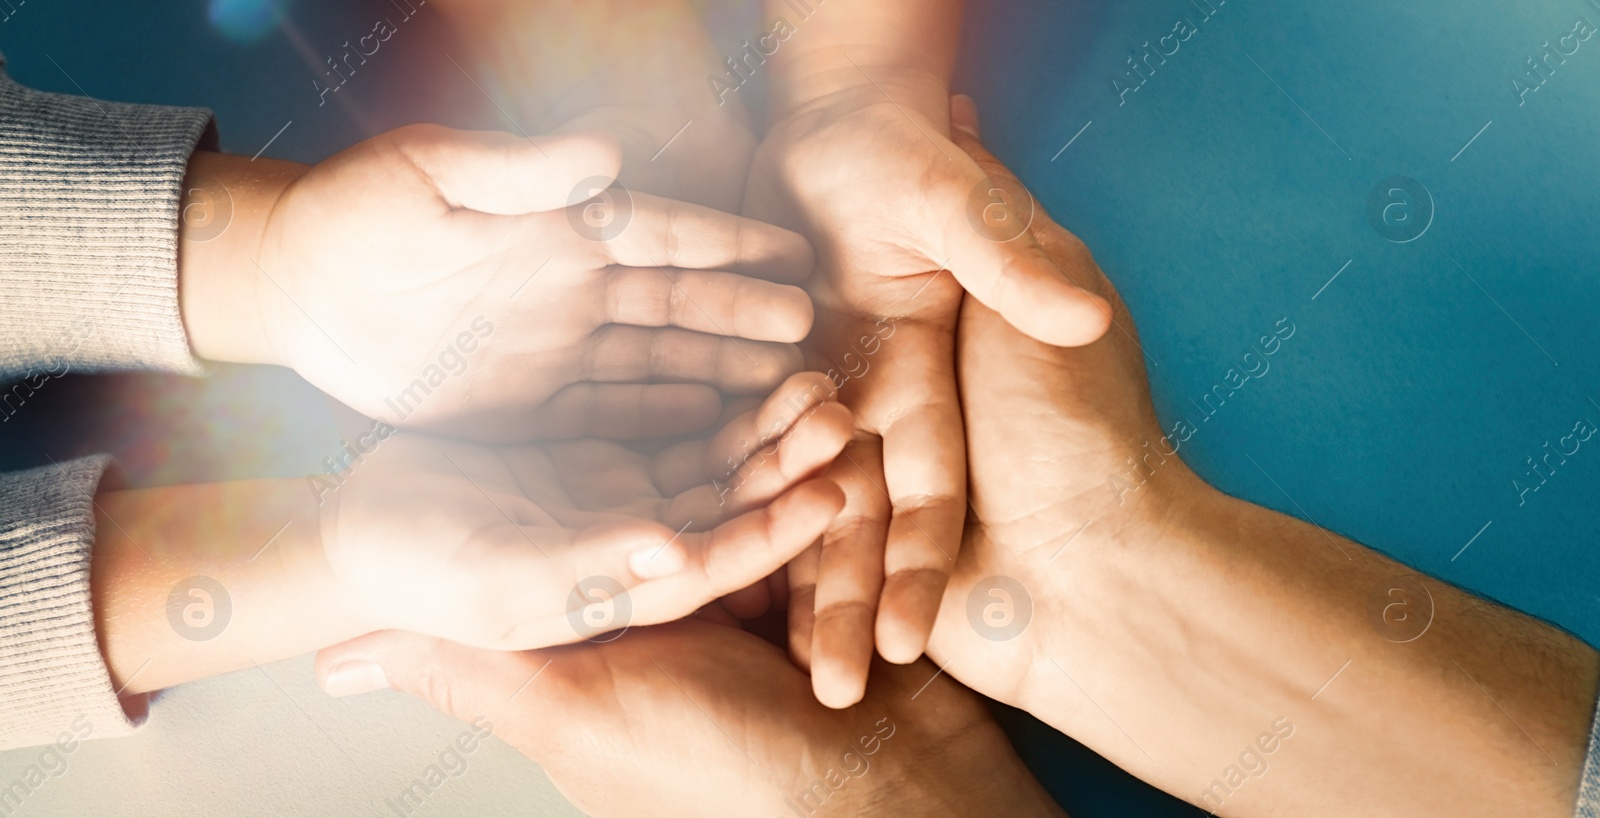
column 457, row 680
column 711, row 302
column 806, row 449
column 499, row 173
column 739, row 552
column 1065, row 250
column 751, row 601
column 964, row 115
column 802, row 574
column 622, row 354
column 694, row 462
column 811, row 444
column 778, row 586
column 926, row 485
column 515, row 696
column 984, row 236
column 667, row 233
column 716, row 614
column 624, row 411
column 849, row 579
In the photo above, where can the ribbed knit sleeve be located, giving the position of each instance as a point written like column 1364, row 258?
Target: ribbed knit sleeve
column 1588, row 805
column 52, row 675
column 89, row 231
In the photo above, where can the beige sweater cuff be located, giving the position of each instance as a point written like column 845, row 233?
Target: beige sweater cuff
column 89, row 196
column 53, row 678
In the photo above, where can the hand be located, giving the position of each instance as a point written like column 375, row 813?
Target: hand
column 506, row 547
column 438, row 279
column 634, row 69
column 885, row 198
column 1053, row 439
column 1197, row 640
column 696, row 718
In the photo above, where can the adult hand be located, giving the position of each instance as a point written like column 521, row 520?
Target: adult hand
column 697, row 718
column 447, row 280
column 1200, row 641
column 505, row 547
column 891, row 205
column 1066, row 459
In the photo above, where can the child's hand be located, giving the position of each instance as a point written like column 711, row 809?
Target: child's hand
column 487, row 285
column 887, row 199
column 503, row 547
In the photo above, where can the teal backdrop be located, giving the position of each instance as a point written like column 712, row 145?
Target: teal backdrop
column 1399, row 181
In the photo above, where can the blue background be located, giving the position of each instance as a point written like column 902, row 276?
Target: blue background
column 1220, row 197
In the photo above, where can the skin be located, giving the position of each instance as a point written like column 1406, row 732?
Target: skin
column 857, row 157
column 633, row 69
column 478, row 544
column 703, row 718
column 633, row 332
column 1172, row 626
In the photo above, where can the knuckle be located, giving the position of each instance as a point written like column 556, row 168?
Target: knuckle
column 432, row 684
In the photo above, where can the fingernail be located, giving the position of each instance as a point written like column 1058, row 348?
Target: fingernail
column 354, row 678
column 964, row 114
column 657, row 560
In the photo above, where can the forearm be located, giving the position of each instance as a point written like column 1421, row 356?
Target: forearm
column 863, row 49
column 574, row 55
column 1248, row 621
column 160, row 556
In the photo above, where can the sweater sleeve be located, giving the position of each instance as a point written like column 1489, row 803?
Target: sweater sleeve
column 89, row 194
column 53, row 678
column 1589, row 786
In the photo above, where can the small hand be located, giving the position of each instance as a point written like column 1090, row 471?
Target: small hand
column 889, row 203
column 475, row 283
column 507, row 547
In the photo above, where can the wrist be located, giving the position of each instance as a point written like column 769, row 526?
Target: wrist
column 1218, row 633
column 835, row 80
column 223, row 214
column 194, row 581
column 960, row 761
column 975, row 773
column 1182, row 633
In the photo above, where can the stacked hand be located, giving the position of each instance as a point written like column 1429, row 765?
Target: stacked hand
column 887, row 199
column 722, row 695
column 705, row 714
column 974, row 471
column 475, row 283
column 524, row 546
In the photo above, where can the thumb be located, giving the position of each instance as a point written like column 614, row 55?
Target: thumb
column 460, row 681
column 508, row 175
column 964, row 115
column 997, row 257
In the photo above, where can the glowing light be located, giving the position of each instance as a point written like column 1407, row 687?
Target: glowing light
column 245, row 21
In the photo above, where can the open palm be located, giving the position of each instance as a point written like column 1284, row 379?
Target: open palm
column 887, row 200
column 508, row 547
column 497, row 288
